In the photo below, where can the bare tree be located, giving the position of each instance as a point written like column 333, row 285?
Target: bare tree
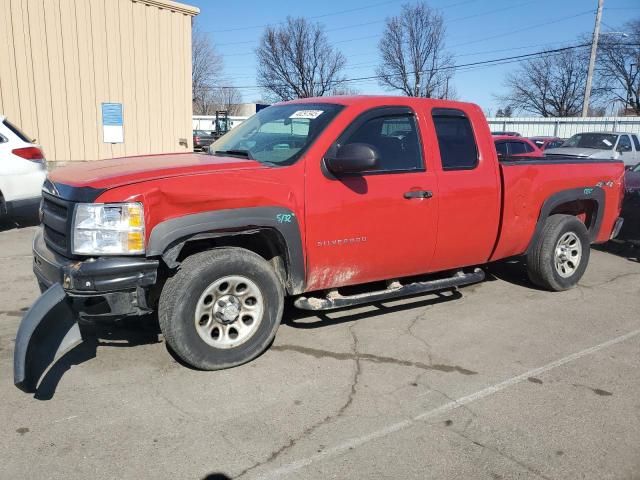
column 551, row 85
column 206, row 72
column 412, row 50
column 297, row 61
column 227, row 98
column 618, row 73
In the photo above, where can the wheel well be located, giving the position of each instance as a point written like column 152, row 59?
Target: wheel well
column 266, row 242
column 585, row 210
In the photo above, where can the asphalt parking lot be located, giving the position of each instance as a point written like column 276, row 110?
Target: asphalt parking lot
column 499, row 381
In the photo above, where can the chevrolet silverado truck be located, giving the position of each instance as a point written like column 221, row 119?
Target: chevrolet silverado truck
column 332, row 201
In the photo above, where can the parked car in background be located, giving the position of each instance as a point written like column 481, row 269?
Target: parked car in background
column 631, row 205
column 509, row 134
column 600, row 145
column 547, row 142
column 632, row 180
column 22, row 171
column 508, row 146
column 202, row 139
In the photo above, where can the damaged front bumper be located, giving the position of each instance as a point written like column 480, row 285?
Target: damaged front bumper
column 48, row 330
column 89, row 289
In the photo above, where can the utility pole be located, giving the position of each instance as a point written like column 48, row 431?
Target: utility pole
column 592, row 60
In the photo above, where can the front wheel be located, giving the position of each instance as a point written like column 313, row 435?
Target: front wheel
column 560, row 254
column 222, row 308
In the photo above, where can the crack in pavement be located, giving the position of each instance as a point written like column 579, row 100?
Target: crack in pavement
column 611, row 280
column 411, row 333
column 511, row 458
column 317, row 353
column 328, row 419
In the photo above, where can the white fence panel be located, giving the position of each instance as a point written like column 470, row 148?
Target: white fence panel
column 564, row 127
column 207, row 122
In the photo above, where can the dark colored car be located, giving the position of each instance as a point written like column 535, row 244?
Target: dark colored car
column 508, row 146
column 547, row 142
column 202, row 139
column 632, row 180
column 631, row 205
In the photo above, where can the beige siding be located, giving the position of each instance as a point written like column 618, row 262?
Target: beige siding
column 61, row 59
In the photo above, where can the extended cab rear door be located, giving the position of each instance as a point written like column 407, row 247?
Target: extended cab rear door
column 469, row 191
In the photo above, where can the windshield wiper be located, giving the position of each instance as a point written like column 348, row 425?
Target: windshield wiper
column 236, row 153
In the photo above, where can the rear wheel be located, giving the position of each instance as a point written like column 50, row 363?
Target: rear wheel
column 560, row 254
column 221, row 309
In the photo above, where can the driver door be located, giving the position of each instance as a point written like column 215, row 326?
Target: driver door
column 376, row 224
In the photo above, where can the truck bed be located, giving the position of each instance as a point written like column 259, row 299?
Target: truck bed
column 527, row 183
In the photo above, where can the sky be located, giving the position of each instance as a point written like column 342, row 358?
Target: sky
column 477, row 30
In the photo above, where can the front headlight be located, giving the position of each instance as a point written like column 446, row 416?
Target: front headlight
column 108, row 228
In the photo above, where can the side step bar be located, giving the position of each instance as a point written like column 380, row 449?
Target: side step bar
column 335, row 300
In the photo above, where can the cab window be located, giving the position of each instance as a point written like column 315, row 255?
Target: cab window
column 518, row 148
column 501, row 148
column 457, row 143
column 396, row 139
column 624, row 144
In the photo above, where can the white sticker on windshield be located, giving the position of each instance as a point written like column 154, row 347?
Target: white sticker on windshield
column 307, row 114
column 607, row 142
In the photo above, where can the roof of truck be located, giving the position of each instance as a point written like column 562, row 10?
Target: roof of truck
column 378, row 99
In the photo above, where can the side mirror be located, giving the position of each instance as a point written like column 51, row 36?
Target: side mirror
column 353, row 158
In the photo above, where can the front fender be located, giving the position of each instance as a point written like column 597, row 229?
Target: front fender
column 171, row 232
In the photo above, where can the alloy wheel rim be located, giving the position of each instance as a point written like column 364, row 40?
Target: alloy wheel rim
column 568, row 254
column 229, row 311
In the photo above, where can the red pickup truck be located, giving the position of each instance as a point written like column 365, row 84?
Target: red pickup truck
column 305, row 199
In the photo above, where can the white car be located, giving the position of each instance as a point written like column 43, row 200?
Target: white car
column 600, row 145
column 23, row 170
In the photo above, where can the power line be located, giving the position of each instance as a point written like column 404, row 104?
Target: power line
column 359, row 66
column 494, row 61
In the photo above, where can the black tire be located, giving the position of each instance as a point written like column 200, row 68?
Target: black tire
column 541, row 259
column 182, row 295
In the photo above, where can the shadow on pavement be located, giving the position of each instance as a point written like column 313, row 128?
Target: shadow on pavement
column 628, row 249
column 512, row 271
column 217, row 476
column 307, row 319
column 128, row 332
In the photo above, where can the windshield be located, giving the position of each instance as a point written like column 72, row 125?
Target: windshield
column 277, row 135
column 601, row 141
column 636, row 168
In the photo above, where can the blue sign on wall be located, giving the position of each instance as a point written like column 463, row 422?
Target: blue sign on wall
column 112, row 123
column 112, row 114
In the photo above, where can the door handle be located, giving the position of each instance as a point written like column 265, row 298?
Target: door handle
column 418, row 194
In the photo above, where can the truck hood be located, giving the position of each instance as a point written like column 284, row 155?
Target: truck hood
column 581, row 152
column 103, row 174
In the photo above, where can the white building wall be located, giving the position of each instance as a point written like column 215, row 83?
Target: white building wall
column 564, row 127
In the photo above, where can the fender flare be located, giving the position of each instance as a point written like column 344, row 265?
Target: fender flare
column 174, row 233
column 595, row 194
